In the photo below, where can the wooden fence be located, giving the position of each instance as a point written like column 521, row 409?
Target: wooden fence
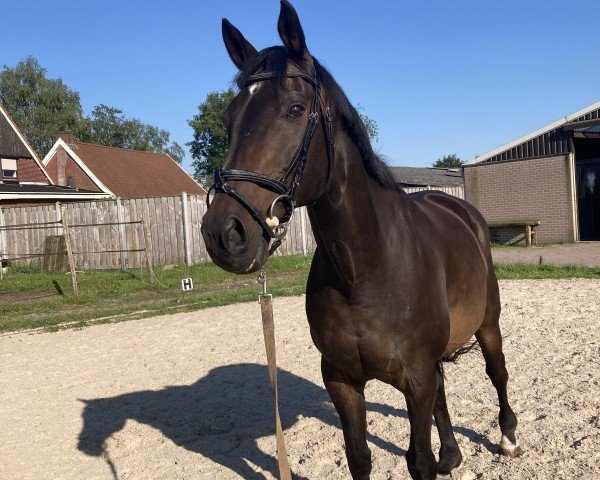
column 456, row 191
column 174, row 227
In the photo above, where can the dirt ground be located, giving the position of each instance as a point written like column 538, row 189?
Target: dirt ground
column 186, row 396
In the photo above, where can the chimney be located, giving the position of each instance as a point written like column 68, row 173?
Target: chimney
column 67, row 137
column 61, row 163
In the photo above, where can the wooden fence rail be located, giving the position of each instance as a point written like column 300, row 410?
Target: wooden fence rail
column 112, row 227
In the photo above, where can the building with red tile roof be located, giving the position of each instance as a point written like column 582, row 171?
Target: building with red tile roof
column 118, row 172
column 23, row 179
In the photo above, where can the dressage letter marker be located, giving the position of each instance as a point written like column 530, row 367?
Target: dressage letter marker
column 187, row 284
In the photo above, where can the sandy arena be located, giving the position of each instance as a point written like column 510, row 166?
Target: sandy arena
column 186, row 396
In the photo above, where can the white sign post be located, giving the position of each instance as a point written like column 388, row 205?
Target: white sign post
column 187, row 284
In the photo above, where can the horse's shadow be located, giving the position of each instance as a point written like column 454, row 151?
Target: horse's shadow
column 220, row 416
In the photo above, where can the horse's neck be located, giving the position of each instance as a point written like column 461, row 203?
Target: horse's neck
column 355, row 215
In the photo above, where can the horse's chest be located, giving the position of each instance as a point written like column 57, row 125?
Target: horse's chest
column 357, row 339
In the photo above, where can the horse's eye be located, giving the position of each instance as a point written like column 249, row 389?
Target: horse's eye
column 296, row 110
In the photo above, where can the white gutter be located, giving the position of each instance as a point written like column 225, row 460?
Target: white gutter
column 53, row 196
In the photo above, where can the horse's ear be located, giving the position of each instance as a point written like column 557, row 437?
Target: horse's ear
column 240, row 50
column 291, row 32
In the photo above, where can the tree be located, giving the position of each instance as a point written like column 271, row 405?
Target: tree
column 40, row 106
column 209, row 146
column 449, row 161
column 44, row 107
column 370, row 124
column 108, row 126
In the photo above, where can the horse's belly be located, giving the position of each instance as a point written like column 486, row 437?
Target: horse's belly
column 465, row 320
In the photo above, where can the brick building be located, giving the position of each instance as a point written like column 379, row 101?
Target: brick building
column 551, row 175
column 118, row 172
column 23, row 180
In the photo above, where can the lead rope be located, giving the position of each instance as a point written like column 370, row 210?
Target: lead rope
column 266, row 308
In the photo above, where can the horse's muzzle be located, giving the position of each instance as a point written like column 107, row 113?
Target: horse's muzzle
column 231, row 246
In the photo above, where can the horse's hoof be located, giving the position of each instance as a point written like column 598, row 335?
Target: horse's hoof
column 510, row 449
column 450, row 458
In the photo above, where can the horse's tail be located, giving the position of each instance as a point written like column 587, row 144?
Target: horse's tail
column 453, row 357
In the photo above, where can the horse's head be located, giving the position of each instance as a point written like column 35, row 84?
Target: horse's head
column 589, row 182
column 270, row 126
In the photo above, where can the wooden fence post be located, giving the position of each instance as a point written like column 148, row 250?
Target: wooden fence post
column 148, row 242
column 303, row 229
column 187, row 251
column 69, row 252
column 2, row 241
column 59, row 229
column 121, row 228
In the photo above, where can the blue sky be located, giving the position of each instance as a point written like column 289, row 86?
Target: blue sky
column 439, row 77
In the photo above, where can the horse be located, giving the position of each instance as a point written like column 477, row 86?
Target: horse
column 397, row 283
column 589, row 182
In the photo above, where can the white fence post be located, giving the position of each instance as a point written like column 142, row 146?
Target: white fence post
column 187, row 251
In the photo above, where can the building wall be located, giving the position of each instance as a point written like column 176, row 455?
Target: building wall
column 29, row 171
column 533, row 189
column 71, row 169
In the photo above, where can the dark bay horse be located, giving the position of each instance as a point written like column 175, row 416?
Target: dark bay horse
column 398, row 282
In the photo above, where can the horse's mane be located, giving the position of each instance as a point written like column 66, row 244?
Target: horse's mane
column 275, row 59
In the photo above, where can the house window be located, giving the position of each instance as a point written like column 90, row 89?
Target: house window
column 9, row 170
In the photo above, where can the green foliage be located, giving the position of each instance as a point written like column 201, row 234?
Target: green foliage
column 370, row 125
column 44, row 107
column 40, row 106
column 449, row 161
column 108, row 126
column 209, row 146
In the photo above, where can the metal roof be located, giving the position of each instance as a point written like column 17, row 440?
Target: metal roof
column 423, row 177
column 579, row 115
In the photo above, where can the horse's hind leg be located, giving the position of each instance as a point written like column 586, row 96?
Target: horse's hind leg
column 349, row 401
column 490, row 340
column 450, row 456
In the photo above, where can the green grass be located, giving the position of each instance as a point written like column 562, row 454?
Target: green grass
column 33, row 298
column 520, row 271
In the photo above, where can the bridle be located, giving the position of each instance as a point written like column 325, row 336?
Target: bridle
column 285, row 193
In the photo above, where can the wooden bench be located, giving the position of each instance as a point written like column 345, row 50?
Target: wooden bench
column 530, row 227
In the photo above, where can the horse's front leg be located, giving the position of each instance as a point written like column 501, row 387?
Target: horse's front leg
column 349, row 400
column 420, row 392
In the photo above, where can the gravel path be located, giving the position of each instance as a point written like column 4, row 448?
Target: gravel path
column 186, row 397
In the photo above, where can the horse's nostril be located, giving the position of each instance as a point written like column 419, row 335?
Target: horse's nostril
column 234, row 236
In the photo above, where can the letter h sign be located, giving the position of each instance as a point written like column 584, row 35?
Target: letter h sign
column 187, row 284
